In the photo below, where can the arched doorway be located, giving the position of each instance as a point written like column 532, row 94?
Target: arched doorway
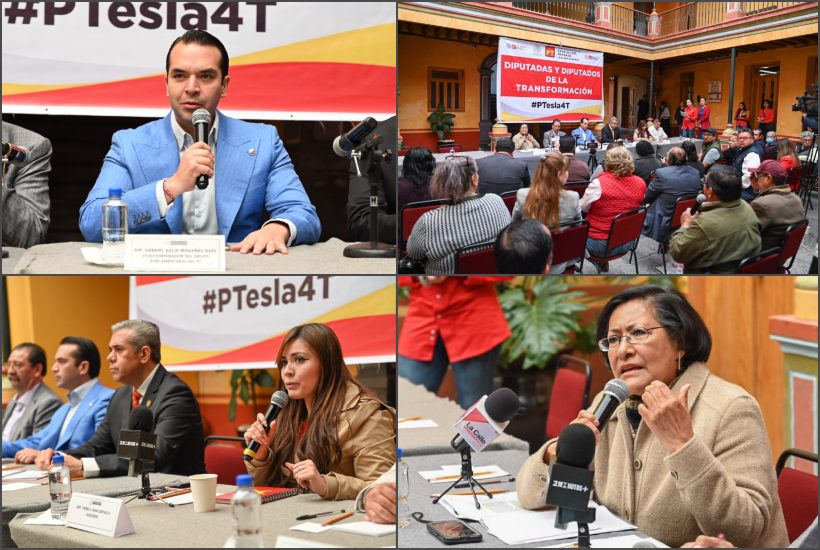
column 488, row 96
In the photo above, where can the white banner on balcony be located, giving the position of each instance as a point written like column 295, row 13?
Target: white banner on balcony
column 542, row 82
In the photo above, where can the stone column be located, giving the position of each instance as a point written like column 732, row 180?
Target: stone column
column 654, row 28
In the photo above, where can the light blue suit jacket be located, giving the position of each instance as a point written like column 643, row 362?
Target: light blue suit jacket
column 255, row 182
column 83, row 424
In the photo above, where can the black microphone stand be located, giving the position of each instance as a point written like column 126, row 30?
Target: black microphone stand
column 565, row 516
column 143, row 468
column 368, row 152
column 459, row 444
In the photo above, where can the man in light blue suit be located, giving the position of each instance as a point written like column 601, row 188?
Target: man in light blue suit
column 254, row 196
column 76, row 367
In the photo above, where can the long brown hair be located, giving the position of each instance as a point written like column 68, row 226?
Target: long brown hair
column 543, row 200
column 320, row 442
column 785, row 148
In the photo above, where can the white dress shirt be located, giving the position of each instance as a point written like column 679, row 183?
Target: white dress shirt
column 657, row 134
column 75, row 396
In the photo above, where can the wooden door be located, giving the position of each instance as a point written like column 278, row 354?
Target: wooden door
column 763, row 86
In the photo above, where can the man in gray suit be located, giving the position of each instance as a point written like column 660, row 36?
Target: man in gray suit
column 501, row 172
column 25, row 201
column 31, row 408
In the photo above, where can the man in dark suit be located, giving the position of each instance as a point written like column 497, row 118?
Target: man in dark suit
column 134, row 361
column 501, row 172
column 677, row 179
column 31, row 408
column 611, row 131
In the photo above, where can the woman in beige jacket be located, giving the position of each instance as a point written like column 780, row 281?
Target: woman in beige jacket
column 334, row 437
column 687, row 453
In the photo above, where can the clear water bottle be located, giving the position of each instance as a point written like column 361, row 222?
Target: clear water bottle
column 246, row 507
column 403, row 491
column 114, row 226
column 59, row 485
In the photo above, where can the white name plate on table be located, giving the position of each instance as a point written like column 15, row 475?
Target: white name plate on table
column 177, row 253
column 101, row 515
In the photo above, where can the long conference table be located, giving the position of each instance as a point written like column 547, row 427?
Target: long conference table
column 159, row 526
column 416, row 401
column 532, row 156
column 318, row 259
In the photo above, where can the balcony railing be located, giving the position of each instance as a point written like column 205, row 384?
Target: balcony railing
column 629, row 21
column 583, row 12
column 693, row 15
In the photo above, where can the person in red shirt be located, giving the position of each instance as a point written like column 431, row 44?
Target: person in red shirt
column 690, row 116
column 452, row 321
column 742, row 116
column 704, row 112
column 765, row 117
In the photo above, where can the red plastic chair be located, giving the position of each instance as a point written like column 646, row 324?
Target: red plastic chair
column 509, row 199
column 570, row 394
column 579, row 187
column 223, row 457
column 570, row 244
column 762, row 263
column 793, row 178
column 410, row 214
column 680, row 206
column 476, row 259
column 625, row 228
column 791, row 244
column 798, row 493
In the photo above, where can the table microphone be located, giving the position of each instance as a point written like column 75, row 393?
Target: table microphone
column 202, row 122
column 344, row 144
column 570, row 480
column 278, row 401
column 137, row 444
column 486, row 419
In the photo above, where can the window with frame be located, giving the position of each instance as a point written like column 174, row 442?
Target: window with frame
column 445, row 86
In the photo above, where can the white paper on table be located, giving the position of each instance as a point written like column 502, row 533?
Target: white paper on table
column 187, row 498
column 463, row 506
column 625, row 541
column 451, row 473
column 311, row 527
column 423, row 423
column 9, row 487
column 25, row 474
column 44, row 519
column 365, row 528
column 93, row 255
column 283, row 541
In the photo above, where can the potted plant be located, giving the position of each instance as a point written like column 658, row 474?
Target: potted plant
column 441, row 123
column 243, row 386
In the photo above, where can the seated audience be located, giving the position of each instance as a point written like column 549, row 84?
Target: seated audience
column 725, row 231
column 711, row 151
column 134, row 362
column 524, row 248
column 471, row 219
column 646, row 161
column 416, row 171
column 657, row 134
column 578, row 171
column 501, row 172
column 25, row 199
column 335, row 436
column 787, row 155
column 524, row 140
column 76, row 367
column 692, row 446
column 692, row 156
column 551, row 136
column 582, row 134
column 775, row 204
column 615, row 191
column 34, row 403
column 770, row 146
column 807, row 149
column 378, row 500
column 611, row 131
column 677, row 179
column 748, row 157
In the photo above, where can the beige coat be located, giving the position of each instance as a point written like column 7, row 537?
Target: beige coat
column 367, row 435
column 721, row 481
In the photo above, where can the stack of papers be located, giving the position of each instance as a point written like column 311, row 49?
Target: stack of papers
column 24, row 474
column 624, row 541
column 356, row 527
column 9, row 487
column 419, row 423
column 451, row 472
column 44, row 519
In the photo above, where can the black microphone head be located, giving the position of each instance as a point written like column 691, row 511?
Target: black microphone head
column 576, row 446
column 502, row 404
column 618, row 389
column 141, row 419
column 280, row 399
column 201, row 115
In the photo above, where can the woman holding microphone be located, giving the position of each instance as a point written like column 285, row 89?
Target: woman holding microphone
column 335, row 436
column 687, row 452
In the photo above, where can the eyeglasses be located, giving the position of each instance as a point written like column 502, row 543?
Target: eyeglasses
column 634, row 336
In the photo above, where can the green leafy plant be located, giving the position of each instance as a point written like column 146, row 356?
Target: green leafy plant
column 542, row 314
column 243, row 386
column 440, row 122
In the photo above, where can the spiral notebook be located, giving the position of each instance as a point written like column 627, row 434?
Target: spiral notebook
column 268, row 494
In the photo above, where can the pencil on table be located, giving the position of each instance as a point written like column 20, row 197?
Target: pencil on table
column 336, row 519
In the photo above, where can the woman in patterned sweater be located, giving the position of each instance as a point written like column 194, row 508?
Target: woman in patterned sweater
column 471, row 219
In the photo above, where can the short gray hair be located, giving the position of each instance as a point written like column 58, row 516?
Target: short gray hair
column 451, row 180
column 143, row 333
column 806, row 134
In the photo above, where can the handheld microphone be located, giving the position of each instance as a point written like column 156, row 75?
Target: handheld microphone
column 344, row 144
column 137, row 444
column 570, row 481
column 701, row 198
column 486, row 419
column 278, row 401
column 615, row 392
column 15, row 154
column 202, row 122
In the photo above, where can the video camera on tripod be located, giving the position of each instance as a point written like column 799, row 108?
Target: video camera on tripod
column 807, row 103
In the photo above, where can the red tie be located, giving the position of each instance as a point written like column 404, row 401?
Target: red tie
column 135, row 399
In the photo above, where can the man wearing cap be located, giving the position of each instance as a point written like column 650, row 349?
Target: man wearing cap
column 501, row 172
column 775, row 205
column 711, row 151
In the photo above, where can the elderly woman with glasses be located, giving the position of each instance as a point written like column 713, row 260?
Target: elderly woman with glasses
column 687, row 453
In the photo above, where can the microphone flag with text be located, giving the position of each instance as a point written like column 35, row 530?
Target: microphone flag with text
column 138, row 443
column 278, row 401
column 486, row 419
